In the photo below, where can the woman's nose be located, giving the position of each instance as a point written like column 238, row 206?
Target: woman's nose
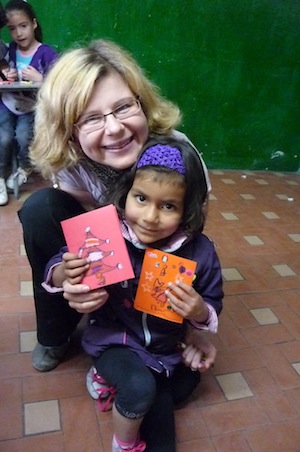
column 112, row 124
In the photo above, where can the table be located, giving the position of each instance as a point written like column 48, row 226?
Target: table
column 19, row 86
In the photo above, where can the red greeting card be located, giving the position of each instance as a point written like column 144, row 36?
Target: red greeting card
column 97, row 235
column 158, row 270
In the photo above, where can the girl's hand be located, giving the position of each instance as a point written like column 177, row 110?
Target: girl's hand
column 31, row 74
column 81, row 298
column 187, row 302
column 10, row 73
column 74, row 267
column 198, row 352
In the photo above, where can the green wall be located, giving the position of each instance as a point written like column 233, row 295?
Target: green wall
column 233, row 67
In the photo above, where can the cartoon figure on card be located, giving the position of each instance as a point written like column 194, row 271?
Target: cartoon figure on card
column 92, row 249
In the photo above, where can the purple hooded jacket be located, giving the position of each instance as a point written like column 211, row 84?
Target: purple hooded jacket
column 153, row 339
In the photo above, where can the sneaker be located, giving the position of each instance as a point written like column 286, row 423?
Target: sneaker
column 47, row 358
column 3, row 192
column 140, row 446
column 21, row 175
column 100, row 390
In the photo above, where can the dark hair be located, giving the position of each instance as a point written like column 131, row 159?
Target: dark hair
column 194, row 179
column 2, row 16
column 21, row 5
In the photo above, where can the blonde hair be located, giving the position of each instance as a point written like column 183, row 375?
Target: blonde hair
column 66, row 92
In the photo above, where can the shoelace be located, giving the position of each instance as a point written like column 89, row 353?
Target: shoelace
column 139, row 448
column 21, row 173
column 104, row 403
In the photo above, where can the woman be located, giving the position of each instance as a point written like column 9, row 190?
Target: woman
column 89, row 129
column 95, row 111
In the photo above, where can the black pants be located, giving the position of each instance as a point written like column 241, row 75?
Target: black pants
column 40, row 216
column 142, row 392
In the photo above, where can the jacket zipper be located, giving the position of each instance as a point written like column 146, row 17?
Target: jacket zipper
column 146, row 330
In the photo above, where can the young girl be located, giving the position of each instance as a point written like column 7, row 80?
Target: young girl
column 29, row 60
column 160, row 203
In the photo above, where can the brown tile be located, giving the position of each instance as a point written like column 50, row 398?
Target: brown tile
column 53, row 385
column 231, row 442
column 267, row 334
column 41, row 443
column 279, row 437
column 189, row 425
column 9, row 333
column 279, row 367
column 11, row 410
column 271, row 398
column 233, row 416
column 204, row 444
column 79, row 423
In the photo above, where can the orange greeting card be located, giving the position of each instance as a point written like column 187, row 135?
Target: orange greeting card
column 97, row 235
column 158, row 270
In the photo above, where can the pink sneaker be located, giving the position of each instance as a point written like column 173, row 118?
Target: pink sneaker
column 100, row 390
column 139, row 447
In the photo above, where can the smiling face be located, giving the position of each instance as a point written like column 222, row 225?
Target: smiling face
column 154, row 205
column 22, row 28
column 118, row 143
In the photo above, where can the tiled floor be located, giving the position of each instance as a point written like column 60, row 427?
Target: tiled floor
column 251, row 399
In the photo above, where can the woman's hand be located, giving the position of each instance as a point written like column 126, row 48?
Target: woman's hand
column 187, row 302
column 198, row 352
column 81, row 298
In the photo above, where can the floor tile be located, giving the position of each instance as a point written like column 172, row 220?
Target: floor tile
column 231, row 274
column 27, row 341
column 284, row 270
column 41, row 417
column 234, row 386
column 229, row 216
column 253, row 240
column 264, row 316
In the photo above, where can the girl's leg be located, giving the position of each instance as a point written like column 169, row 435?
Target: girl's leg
column 135, row 390
column 24, row 135
column 40, row 216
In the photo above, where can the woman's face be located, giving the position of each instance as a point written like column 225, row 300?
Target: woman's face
column 118, row 143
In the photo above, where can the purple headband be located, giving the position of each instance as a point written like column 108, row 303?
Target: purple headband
column 163, row 155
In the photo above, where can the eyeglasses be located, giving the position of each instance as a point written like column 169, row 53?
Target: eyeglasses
column 97, row 121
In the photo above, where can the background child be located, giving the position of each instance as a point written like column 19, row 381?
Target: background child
column 3, row 48
column 29, row 60
column 160, row 202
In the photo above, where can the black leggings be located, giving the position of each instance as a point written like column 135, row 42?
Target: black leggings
column 40, row 216
column 142, row 392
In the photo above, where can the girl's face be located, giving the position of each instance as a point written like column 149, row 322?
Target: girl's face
column 21, row 28
column 118, row 143
column 154, row 207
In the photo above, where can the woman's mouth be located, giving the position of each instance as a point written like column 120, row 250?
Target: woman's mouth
column 118, row 146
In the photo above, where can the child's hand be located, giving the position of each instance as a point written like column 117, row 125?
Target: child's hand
column 74, row 267
column 31, row 74
column 198, row 352
column 187, row 302
column 10, row 73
